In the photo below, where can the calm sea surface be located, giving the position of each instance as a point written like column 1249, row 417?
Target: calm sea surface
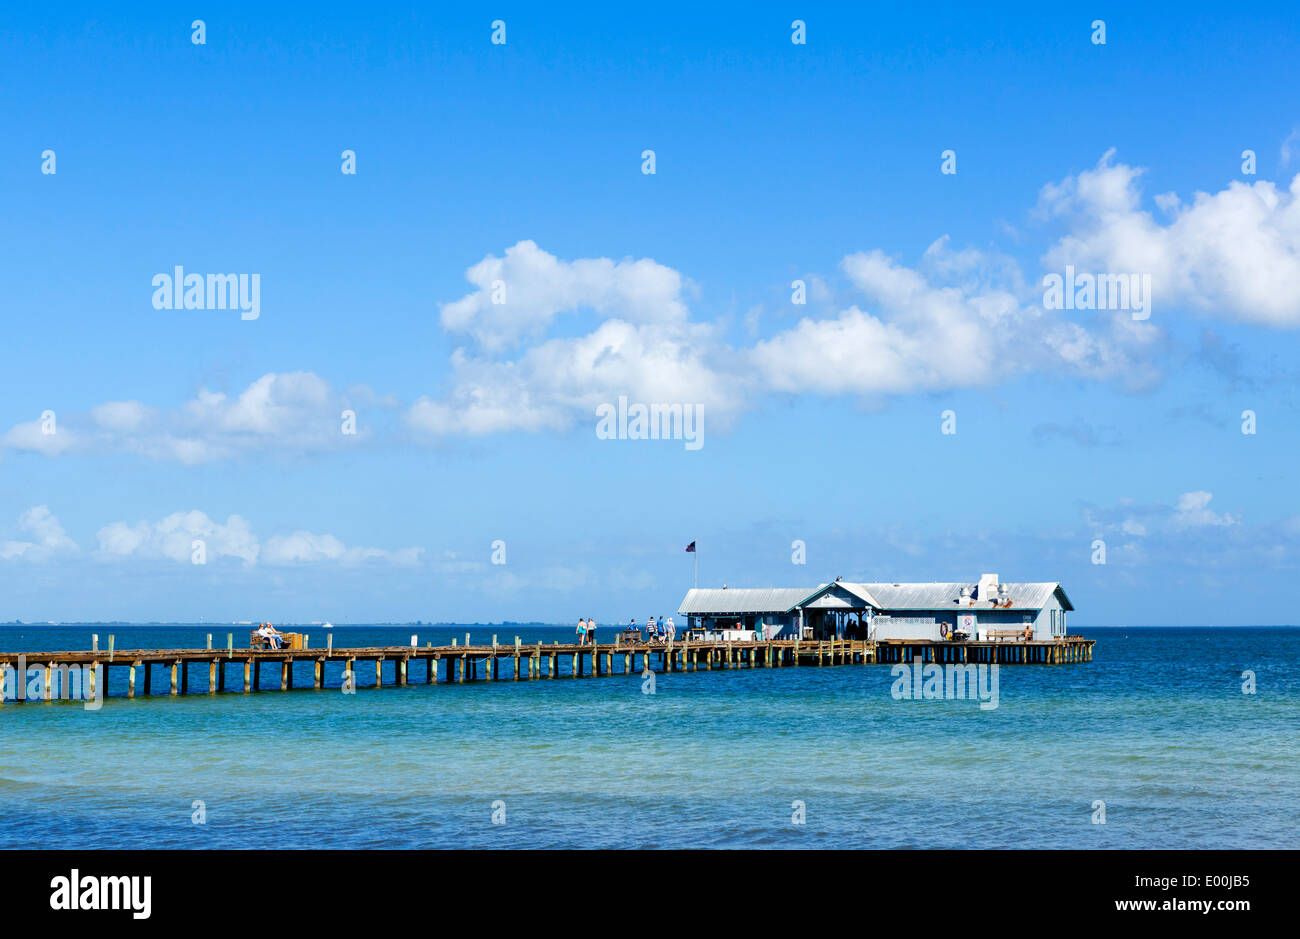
column 1156, row 727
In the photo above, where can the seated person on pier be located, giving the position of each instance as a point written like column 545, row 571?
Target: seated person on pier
column 272, row 636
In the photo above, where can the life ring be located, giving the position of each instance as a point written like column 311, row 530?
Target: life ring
column 944, row 630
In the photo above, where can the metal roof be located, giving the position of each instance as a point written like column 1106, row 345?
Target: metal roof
column 704, row 600
column 946, row 596
column 857, row 590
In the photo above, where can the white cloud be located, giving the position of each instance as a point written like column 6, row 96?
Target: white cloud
column 31, row 437
column 1234, row 253
column 563, row 380
column 1193, row 511
column 537, row 286
column 304, row 547
column 122, row 416
column 48, row 537
column 289, row 412
column 961, row 319
column 173, row 539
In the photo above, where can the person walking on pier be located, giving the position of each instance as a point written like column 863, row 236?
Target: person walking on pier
column 671, row 629
column 591, row 630
column 582, row 632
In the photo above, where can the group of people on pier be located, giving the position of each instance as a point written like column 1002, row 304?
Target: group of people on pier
column 655, row 632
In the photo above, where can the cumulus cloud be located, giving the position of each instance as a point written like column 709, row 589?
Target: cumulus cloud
column 1234, row 253
column 1189, row 514
column 173, row 539
column 520, row 294
column 558, row 381
column 1193, row 511
column 40, row 437
column 960, row 319
column 294, row 411
column 46, row 537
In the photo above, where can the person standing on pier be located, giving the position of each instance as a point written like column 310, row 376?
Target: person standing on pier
column 582, row 632
column 591, row 629
column 671, row 630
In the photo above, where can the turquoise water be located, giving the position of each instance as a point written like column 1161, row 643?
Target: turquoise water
column 1156, row 726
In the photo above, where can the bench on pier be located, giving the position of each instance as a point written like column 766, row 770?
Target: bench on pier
column 1016, row 635
column 630, row 635
column 290, row 640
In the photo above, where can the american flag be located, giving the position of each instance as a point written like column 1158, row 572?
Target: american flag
column 691, row 547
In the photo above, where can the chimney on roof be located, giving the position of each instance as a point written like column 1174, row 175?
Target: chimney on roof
column 988, row 587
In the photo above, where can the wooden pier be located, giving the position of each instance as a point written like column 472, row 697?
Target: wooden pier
column 241, row 669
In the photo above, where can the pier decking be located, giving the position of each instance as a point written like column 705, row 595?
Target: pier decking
column 495, row 662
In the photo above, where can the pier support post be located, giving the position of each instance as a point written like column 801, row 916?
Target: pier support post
column 130, row 681
column 175, row 665
column 148, row 679
column 248, row 665
column 212, row 677
column 318, row 674
column 46, row 692
column 379, row 673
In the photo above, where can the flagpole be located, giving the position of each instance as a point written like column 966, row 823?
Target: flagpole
column 696, row 552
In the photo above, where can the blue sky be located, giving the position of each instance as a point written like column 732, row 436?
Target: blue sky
column 522, row 162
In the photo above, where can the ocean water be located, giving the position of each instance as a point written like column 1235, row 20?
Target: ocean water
column 1157, row 727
